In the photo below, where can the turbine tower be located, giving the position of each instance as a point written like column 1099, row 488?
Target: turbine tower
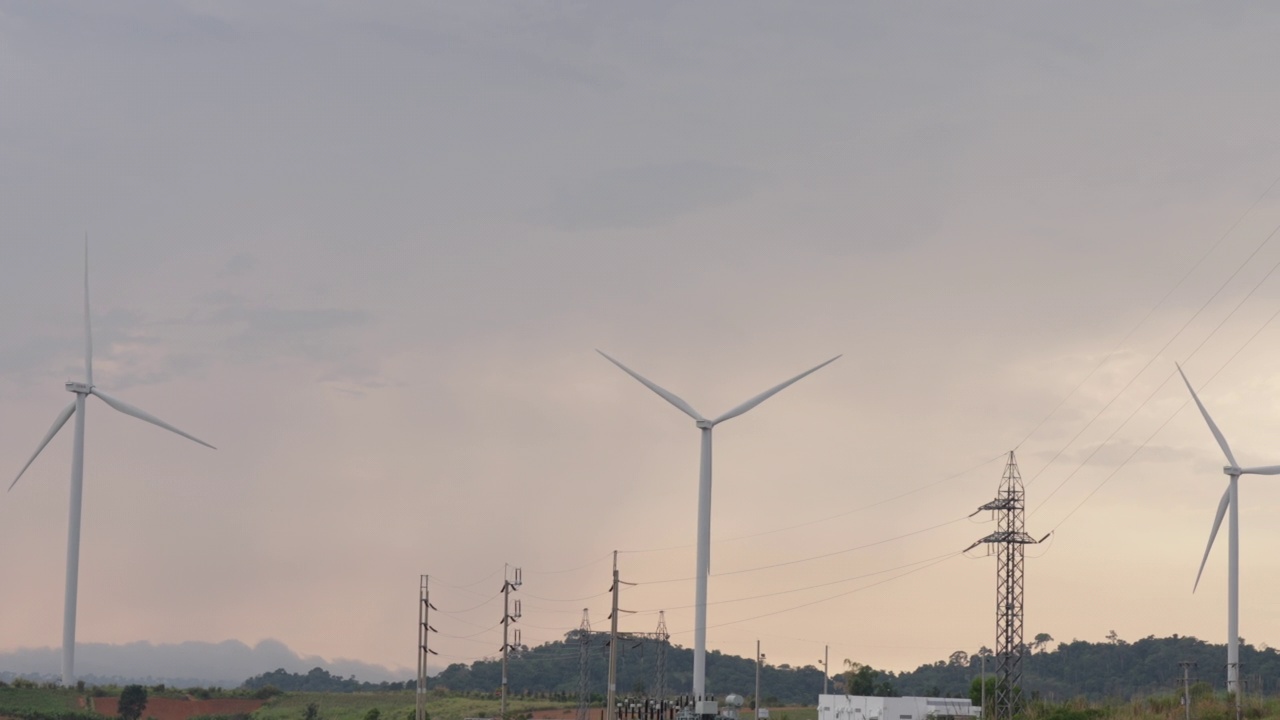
column 704, row 505
column 82, row 390
column 1230, row 500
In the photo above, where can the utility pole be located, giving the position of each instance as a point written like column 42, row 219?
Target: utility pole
column 664, row 639
column 1010, row 540
column 611, row 712
column 984, row 686
column 826, row 671
column 509, row 616
column 1186, row 666
column 424, row 629
column 759, row 661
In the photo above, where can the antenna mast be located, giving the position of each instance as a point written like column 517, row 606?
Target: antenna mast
column 1010, row 540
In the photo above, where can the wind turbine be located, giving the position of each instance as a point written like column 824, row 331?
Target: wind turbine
column 82, row 391
column 1230, row 500
column 704, row 506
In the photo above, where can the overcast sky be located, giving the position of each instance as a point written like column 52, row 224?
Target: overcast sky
column 368, row 250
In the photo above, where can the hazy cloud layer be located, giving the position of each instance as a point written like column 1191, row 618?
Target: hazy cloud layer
column 368, row 251
column 187, row 664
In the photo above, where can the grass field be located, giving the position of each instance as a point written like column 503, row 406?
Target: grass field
column 48, row 703
column 392, row 706
column 44, row 700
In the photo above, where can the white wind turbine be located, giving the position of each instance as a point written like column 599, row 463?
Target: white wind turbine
column 1230, row 500
column 704, row 506
column 83, row 390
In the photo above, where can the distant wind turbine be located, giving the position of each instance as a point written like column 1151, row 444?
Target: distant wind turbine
column 83, row 390
column 704, row 506
column 1231, row 500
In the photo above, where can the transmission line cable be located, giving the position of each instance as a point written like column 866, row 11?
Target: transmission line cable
column 864, row 576
column 814, row 557
column 1197, row 349
column 1168, row 420
column 829, row 598
column 1150, row 312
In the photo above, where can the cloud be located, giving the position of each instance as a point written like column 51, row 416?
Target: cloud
column 646, row 195
column 238, row 265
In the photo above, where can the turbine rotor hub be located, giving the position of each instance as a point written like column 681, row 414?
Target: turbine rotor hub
column 704, row 424
column 79, row 388
column 1231, row 470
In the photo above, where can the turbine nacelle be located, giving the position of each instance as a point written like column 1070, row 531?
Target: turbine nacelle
column 79, row 388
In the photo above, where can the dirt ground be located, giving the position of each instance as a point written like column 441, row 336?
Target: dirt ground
column 176, row 709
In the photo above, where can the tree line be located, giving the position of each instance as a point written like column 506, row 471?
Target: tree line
column 1113, row 668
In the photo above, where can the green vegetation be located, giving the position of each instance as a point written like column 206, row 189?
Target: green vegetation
column 133, row 700
column 317, row 680
column 28, row 701
column 391, row 706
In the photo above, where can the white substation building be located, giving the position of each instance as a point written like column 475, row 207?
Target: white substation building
column 862, row 707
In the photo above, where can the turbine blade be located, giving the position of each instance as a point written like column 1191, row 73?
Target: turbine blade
column 88, row 332
column 128, row 409
column 664, row 394
column 61, row 420
column 770, row 393
column 1217, row 522
column 1217, row 434
column 1265, row 470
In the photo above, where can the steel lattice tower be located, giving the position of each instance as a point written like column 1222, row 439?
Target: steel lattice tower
column 664, row 639
column 1010, row 540
column 584, row 658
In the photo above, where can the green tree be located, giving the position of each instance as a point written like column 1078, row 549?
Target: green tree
column 859, row 679
column 373, row 714
column 133, row 700
column 312, row 712
column 1042, row 640
column 975, row 690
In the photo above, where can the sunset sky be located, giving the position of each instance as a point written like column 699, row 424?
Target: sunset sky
column 369, row 250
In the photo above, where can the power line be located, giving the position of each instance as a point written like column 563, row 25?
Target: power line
column 808, row 587
column 1151, row 312
column 569, row 570
column 473, row 607
column 1157, row 354
column 833, row 597
column 837, row 516
column 815, row 557
column 1168, row 420
column 1197, row 349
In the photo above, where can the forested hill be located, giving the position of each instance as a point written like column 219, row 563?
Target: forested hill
column 1114, row 668
column 555, row 668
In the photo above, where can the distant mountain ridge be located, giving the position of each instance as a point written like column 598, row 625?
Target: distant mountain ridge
column 187, row 664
